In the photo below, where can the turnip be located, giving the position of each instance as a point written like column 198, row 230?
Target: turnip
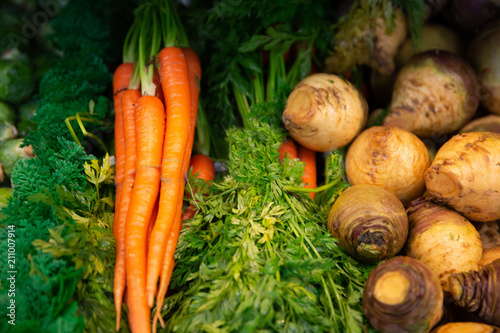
column 489, row 233
column 466, row 327
column 369, row 222
column 483, row 54
column 434, row 37
column 479, row 291
column 490, row 255
column 442, row 239
column 391, row 158
column 490, row 123
column 464, row 175
column 402, row 295
column 325, row 112
column 386, row 43
column 435, row 93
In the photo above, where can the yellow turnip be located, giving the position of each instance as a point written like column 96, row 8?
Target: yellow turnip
column 464, row 175
column 391, row 158
column 442, row 239
column 325, row 112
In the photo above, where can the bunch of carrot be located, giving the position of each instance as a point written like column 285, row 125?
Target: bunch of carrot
column 154, row 133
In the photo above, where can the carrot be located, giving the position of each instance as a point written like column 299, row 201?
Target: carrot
column 152, row 222
column 129, row 99
column 203, row 167
column 288, row 147
column 121, row 80
column 174, row 79
column 194, row 72
column 150, row 129
column 308, row 156
column 167, row 267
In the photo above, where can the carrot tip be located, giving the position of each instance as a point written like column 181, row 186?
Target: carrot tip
column 150, row 297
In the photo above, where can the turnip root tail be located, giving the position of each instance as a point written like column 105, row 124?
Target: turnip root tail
column 479, row 291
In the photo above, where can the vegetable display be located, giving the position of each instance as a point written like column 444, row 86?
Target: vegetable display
column 403, row 295
column 369, row 222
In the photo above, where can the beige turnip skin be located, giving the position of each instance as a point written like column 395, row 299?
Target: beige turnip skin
column 434, row 37
column 483, row 54
column 442, row 239
column 369, row 222
column 490, row 123
column 435, row 93
column 466, row 327
column 465, row 175
column 325, row 112
column 419, row 307
column 391, row 158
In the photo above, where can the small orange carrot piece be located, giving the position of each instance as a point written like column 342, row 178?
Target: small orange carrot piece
column 288, row 147
column 174, row 80
column 310, row 173
column 150, row 129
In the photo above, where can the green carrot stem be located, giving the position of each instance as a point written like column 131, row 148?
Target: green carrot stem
column 202, row 132
column 243, row 107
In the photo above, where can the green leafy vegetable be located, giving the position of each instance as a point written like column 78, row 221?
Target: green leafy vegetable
column 62, row 204
column 258, row 257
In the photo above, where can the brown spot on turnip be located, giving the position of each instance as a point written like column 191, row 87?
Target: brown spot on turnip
column 448, row 161
column 449, row 86
column 415, row 83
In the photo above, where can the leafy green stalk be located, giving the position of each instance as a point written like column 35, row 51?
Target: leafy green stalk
column 258, row 257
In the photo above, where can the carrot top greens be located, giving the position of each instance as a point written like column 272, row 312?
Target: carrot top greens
column 258, row 256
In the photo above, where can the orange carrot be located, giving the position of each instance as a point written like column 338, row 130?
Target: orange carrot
column 175, row 83
column 129, row 100
column 121, row 80
column 194, row 71
column 152, row 222
column 203, row 167
column 309, row 158
column 288, row 147
column 167, row 266
column 150, row 129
